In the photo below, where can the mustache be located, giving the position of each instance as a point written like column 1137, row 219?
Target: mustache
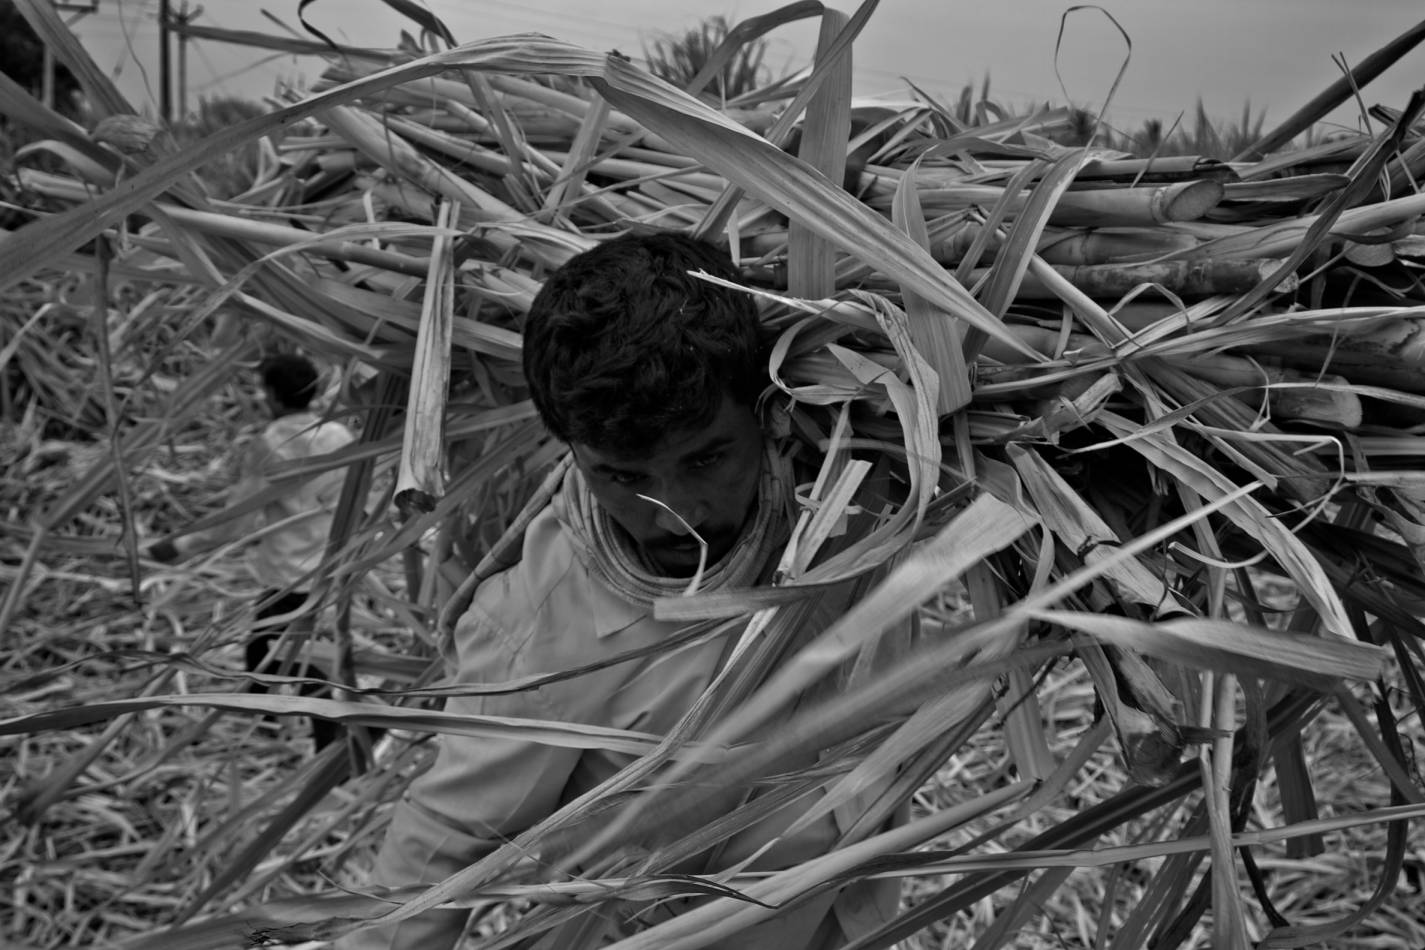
column 681, row 544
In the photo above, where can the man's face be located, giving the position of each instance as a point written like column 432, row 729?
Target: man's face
column 708, row 475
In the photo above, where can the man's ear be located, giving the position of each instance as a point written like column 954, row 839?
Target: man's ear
column 274, row 401
column 774, row 417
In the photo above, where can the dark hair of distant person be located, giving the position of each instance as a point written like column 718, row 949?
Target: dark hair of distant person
column 292, row 379
column 623, row 345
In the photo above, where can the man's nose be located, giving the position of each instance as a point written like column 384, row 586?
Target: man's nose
column 692, row 513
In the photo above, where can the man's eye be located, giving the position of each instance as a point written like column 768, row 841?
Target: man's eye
column 707, row 461
column 623, row 478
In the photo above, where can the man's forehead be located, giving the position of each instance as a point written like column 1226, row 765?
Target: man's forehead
column 674, row 445
column 732, row 422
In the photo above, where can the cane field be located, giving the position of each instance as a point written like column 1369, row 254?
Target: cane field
column 1157, row 395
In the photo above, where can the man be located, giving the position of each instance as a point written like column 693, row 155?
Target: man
column 293, row 524
column 651, row 376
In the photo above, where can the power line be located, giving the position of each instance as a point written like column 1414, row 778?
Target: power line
column 608, row 29
column 135, row 18
column 234, row 74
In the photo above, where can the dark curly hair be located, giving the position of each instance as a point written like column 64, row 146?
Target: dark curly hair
column 623, row 345
column 292, row 378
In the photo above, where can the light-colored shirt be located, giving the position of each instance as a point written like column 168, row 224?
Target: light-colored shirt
column 550, row 613
column 294, row 524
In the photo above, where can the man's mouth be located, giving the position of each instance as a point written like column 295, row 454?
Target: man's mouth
column 686, row 549
column 681, row 550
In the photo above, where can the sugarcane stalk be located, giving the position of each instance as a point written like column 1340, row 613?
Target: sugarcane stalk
column 1218, row 712
column 466, row 152
column 1106, row 207
column 421, row 480
column 1182, row 278
column 313, row 144
column 1379, row 251
column 392, row 152
column 1390, row 354
column 628, row 169
column 1073, row 247
column 1295, row 188
column 1296, row 476
column 1320, row 399
column 688, row 205
column 1082, row 530
column 952, row 236
column 570, row 109
column 1161, row 168
column 247, row 229
column 1368, row 346
column 1097, row 207
column 646, row 156
column 1111, row 282
column 1314, row 398
column 546, row 129
column 1282, row 238
column 1150, row 742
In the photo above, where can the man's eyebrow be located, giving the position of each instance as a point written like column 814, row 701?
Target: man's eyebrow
column 605, row 468
column 721, row 442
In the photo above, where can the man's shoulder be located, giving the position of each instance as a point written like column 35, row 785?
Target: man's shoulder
column 303, row 434
column 548, row 562
column 551, row 593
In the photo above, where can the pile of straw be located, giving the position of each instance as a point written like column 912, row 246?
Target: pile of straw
column 1158, row 420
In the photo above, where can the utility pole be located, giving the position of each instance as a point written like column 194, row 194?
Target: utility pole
column 184, row 19
column 165, row 72
column 183, row 61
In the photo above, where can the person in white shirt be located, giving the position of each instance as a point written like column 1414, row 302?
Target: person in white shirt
column 291, row 527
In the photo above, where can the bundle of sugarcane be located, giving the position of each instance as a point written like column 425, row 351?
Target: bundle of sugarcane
column 1128, row 395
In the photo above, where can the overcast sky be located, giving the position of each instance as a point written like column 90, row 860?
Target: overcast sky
column 1273, row 54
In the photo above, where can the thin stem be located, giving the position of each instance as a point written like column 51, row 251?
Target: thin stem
column 697, row 580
